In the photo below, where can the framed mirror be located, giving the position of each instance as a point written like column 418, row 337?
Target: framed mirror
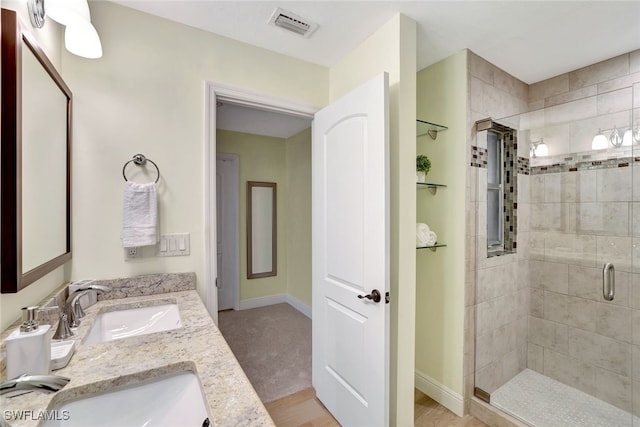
column 262, row 252
column 35, row 155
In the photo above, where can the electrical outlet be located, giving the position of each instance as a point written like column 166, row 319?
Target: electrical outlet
column 131, row 253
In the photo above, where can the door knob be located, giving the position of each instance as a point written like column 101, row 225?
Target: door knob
column 373, row 296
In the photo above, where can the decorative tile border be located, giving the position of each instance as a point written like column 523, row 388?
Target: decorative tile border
column 478, row 157
column 510, row 189
column 572, row 166
column 523, row 166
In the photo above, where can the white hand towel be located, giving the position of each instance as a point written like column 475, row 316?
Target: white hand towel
column 424, row 235
column 432, row 238
column 422, row 231
column 140, row 219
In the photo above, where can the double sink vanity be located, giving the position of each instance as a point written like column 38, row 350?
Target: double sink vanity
column 144, row 357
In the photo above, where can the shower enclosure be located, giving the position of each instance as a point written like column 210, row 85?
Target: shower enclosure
column 557, row 339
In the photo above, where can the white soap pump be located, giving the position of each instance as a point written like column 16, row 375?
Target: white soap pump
column 29, row 347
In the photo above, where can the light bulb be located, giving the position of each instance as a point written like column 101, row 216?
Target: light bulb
column 542, row 150
column 82, row 39
column 600, row 142
column 627, row 139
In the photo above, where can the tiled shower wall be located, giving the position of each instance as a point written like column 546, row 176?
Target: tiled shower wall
column 575, row 336
column 496, row 288
column 553, row 319
column 582, row 218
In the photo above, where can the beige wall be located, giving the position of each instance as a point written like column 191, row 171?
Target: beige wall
column 298, row 206
column 147, row 95
column 393, row 49
column 288, row 163
column 49, row 37
column 261, row 158
column 442, row 99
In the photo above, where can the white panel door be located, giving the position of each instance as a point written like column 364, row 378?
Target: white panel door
column 350, row 208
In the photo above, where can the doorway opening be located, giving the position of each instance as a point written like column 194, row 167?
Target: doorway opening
column 270, row 338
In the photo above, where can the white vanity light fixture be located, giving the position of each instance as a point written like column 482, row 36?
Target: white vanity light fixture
column 631, row 136
column 627, row 138
column 36, row 12
column 539, row 149
column 600, row 142
column 80, row 36
column 615, row 138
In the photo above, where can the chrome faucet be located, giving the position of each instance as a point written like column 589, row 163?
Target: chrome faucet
column 25, row 383
column 74, row 309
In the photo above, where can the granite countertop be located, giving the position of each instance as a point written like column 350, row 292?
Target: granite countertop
column 198, row 346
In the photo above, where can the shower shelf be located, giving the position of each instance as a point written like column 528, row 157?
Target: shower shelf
column 432, row 247
column 433, row 188
column 427, row 128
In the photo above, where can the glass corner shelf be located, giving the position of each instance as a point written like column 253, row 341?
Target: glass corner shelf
column 433, row 248
column 427, row 128
column 433, row 188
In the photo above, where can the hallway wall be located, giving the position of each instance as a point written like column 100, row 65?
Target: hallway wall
column 262, row 158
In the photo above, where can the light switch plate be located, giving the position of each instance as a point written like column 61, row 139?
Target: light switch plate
column 177, row 244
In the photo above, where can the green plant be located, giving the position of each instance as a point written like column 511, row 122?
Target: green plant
column 423, row 164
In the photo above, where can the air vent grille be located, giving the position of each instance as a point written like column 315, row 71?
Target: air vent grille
column 291, row 22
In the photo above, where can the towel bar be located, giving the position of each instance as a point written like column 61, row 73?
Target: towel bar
column 140, row 160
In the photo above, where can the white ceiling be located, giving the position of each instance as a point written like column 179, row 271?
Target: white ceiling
column 258, row 122
column 531, row 40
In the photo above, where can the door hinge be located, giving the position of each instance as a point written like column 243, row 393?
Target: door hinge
column 387, row 298
column 216, row 282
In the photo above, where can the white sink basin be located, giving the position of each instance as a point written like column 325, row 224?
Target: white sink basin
column 115, row 325
column 175, row 400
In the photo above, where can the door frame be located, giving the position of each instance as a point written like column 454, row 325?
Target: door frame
column 220, row 92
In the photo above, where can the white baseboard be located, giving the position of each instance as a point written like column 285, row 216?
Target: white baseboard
column 250, row 303
column 440, row 393
column 299, row 305
column 276, row 299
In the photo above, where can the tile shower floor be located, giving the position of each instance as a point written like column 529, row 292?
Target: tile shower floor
column 543, row 402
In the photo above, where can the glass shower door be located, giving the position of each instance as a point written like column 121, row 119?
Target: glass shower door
column 578, row 210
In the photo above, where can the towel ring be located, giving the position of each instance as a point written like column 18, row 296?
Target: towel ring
column 140, row 160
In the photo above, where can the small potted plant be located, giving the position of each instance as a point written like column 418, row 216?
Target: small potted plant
column 423, row 165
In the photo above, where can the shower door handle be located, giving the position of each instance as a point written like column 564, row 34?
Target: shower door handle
column 608, row 282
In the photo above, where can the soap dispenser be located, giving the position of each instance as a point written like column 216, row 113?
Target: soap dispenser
column 29, row 347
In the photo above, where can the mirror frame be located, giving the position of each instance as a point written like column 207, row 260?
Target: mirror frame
column 274, row 231
column 14, row 39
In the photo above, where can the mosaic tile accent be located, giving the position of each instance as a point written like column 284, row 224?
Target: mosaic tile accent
column 523, row 166
column 510, row 189
column 574, row 166
column 478, row 157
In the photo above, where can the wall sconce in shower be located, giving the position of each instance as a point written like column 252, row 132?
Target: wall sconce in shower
column 615, row 139
column 600, row 142
column 80, row 36
column 630, row 137
column 538, row 149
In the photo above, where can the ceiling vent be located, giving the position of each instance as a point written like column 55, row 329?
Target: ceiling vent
column 292, row 22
